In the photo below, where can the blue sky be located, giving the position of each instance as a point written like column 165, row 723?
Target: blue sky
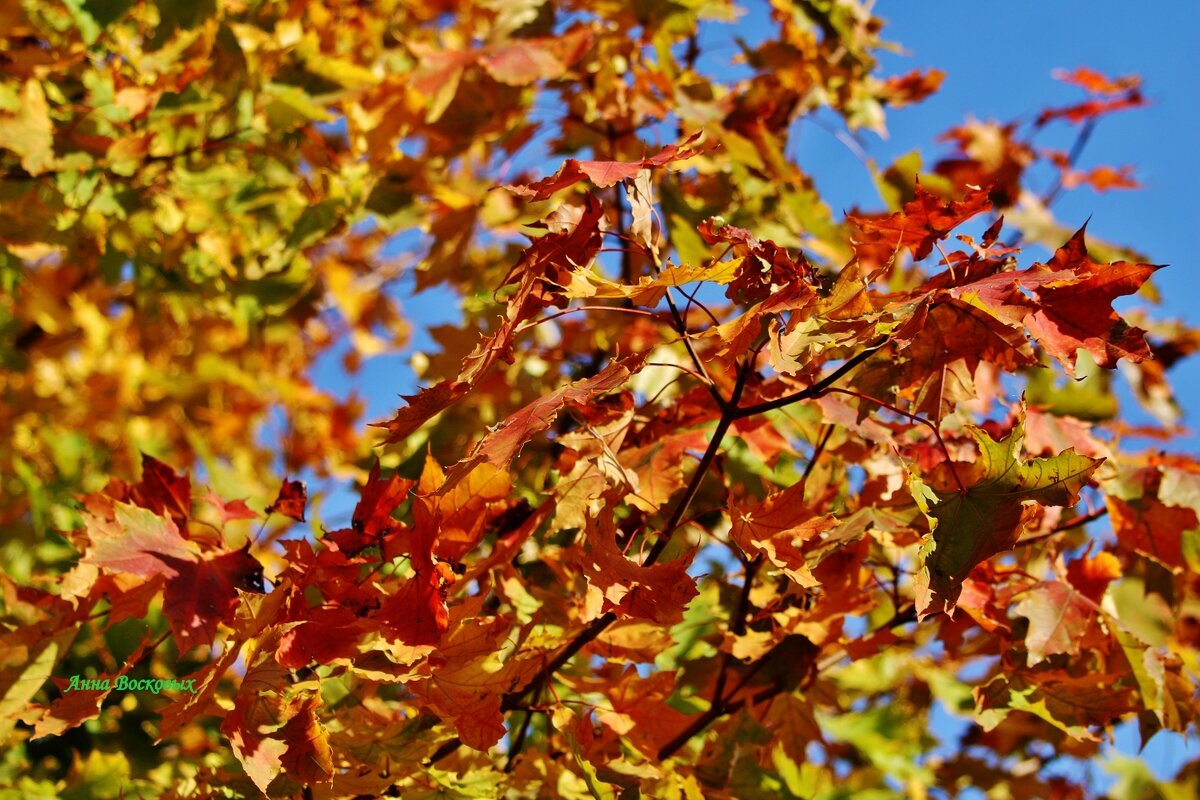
column 998, row 65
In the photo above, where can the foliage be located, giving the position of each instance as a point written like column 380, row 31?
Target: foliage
column 712, row 493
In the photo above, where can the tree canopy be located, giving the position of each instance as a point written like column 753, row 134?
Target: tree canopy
column 711, row 491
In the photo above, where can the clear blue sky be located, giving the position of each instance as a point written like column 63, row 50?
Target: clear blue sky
column 998, row 58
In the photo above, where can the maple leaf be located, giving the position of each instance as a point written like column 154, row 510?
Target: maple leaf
column 761, row 266
column 1058, row 619
column 1152, row 528
column 523, row 61
column 923, row 221
column 952, row 340
column 556, row 252
column 1074, row 309
column 423, row 406
column 373, row 512
column 230, row 511
column 637, row 709
column 1090, row 109
column 778, row 528
column 1071, row 307
column 1072, row 704
column 203, row 593
column 659, row 467
column 309, row 756
column 137, row 542
column 29, row 132
column 76, row 707
column 1102, row 178
column 162, row 490
column 416, row 614
column 290, row 501
column 1097, row 83
column 1090, row 575
column 972, row 524
column 602, row 173
column 504, row 442
column 258, row 710
column 470, row 676
column 326, row 633
column 658, row 592
column 457, row 517
column 913, row 87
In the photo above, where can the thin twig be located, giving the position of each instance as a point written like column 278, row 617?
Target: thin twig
column 519, row 741
column 728, row 415
column 820, row 448
column 685, row 337
column 812, row 391
column 1075, row 522
column 524, row 326
column 917, row 419
column 737, row 625
column 1081, row 140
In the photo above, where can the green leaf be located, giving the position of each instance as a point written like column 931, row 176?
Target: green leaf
column 973, row 524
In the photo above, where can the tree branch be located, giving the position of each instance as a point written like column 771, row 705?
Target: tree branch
column 720, row 708
column 1074, row 522
column 812, row 391
column 728, row 415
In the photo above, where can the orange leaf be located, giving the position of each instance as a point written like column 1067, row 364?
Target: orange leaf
column 290, row 501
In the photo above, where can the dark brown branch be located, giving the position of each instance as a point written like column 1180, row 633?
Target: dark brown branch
column 519, row 741
column 737, row 625
column 728, row 415
column 812, row 391
column 1081, row 140
column 685, row 337
column 720, row 708
column 820, row 448
column 1074, row 522
column 446, row 749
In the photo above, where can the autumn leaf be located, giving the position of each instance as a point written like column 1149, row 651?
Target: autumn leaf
column 924, row 221
column 602, row 173
column 658, row 592
column 641, row 352
column 380, row 497
column 1074, row 308
column 231, row 510
column 553, row 254
column 204, row 593
column 290, row 501
column 28, row 131
column 504, row 442
column 1097, row 83
column 1074, row 705
column 523, row 61
column 259, row 708
column 1152, row 528
column 163, row 491
column 974, row 523
column 1058, row 619
column 138, row 542
column 778, row 528
column 308, row 757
